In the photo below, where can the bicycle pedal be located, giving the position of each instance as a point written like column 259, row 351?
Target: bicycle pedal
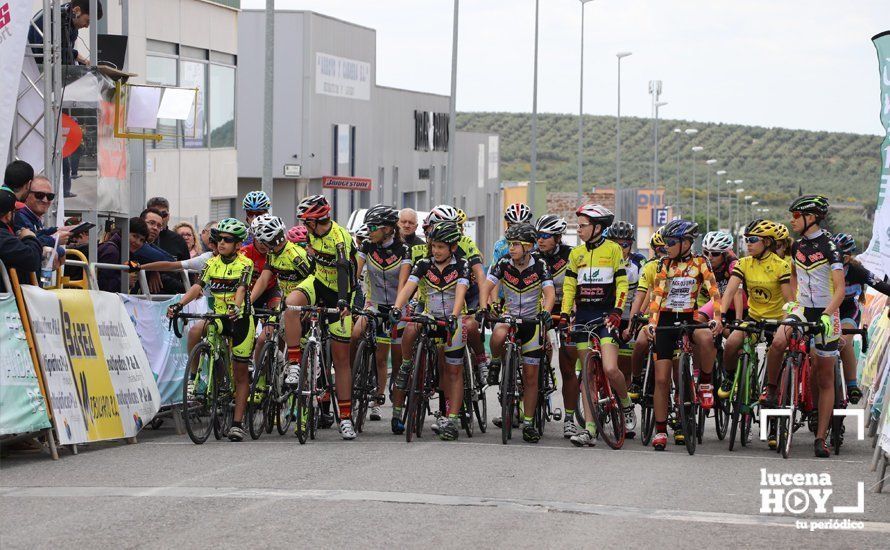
column 557, row 414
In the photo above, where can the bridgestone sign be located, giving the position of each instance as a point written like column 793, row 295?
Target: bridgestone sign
column 344, row 182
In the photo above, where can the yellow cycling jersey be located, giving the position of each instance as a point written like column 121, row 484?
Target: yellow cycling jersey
column 291, row 265
column 647, row 275
column 223, row 277
column 324, row 251
column 597, row 276
column 762, row 280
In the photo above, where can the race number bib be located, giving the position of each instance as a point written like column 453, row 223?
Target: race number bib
column 680, row 294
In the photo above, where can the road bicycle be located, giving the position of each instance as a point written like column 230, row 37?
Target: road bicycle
column 744, row 397
column 423, row 380
column 270, row 402
column 605, row 406
column 364, row 367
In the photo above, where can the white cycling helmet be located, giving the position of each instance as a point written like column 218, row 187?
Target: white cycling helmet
column 551, row 223
column 717, row 241
column 442, row 213
column 268, row 229
column 518, row 213
column 597, row 214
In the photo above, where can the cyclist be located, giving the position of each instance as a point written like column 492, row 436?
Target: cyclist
column 255, row 203
column 624, row 234
column 595, row 287
column 515, row 213
column 333, row 252
column 783, row 245
column 443, row 278
column 641, row 303
column 550, row 229
column 298, row 234
column 856, row 276
column 528, row 292
column 679, row 279
column 817, row 275
column 386, row 262
column 227, row 277
column 766, row 279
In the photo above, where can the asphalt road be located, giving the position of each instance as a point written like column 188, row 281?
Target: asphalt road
column 379, row 490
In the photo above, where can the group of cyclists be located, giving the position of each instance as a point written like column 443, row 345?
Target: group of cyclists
column 601, row 284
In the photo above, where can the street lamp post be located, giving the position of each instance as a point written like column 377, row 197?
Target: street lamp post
column 658, row 106
column 452, row 114
column 720, row 174
column 534, row 170
column 709, row 162
column 689, row 132
column 737, row 182
column 620, row 56
column 695, row 149
column 748, row 206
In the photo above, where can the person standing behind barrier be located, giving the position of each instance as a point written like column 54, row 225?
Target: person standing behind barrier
column 408, row 227
column 169, row 241
column 30, row 215
column 22, row 250
column 17, row 179
column 155, row 220
column 188, row 234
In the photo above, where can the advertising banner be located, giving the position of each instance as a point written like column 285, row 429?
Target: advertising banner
column 346, row 182
column 342, row 77
column 877, row 257
column 22, row 406
column 14, row 19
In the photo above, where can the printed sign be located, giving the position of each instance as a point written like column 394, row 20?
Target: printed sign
column 22, row 406
column 346, row 182
column 341, row 77
column 293, row 170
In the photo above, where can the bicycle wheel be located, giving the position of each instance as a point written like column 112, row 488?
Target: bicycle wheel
column 687, row 404
column 259, row 399
column 415, row 409
column 541, row 412
column 721, row 406
column 466, row 409
column 361, row 374
column 752, row 398
column 840, row 402
column 480, row 403
column 647, row 416
column 604, row 405
column 508, row 395
column 198, row 410
column 787, row 400
column 224, row 400
column 304, row 400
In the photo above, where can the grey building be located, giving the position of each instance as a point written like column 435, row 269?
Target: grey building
column 332, row 120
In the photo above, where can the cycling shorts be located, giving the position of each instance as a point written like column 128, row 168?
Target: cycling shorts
column 319, row 295
column 529, row 338
column 454, row 346
column 667, row 342
column 826, row 345
column 850, row 312
column 269, row 299
column 242, row 333
column 580, row 339
column 707, row 312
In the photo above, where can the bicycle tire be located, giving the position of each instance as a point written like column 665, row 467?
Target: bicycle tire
column 736, row 398
column 787, row 400
column 540, row 415
column 508, row 381
column 466, row 409
column 223, row 401
column 721, row 406
column 604, row 404
column 687, row 404
column 647, row 412
column 304, row 400
column 361, row 368
column 194, row 408
column 752, row 398
column 258, row 400
column 413, row 409
column 837, row 421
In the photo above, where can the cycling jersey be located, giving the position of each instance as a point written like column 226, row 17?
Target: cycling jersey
column 223, row 276
column 383, row 263
column 501, row 250
column 597, row 274
column 815, row 257
column 523, row 288
column 722, row 275
column 856, row 276
column 329, row 269
column 558, row 263
column 647, row 275
column 678, row 284
column 439, row 286
column 633, row 265
column 291, row 265
column 466, row 249
column 259, row 262
column 762, row 280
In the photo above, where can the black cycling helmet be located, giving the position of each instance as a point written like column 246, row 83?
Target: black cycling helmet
column 621, row 231
column 382, row 214
column 445, row 232
column 680, row 229
column 522, row 232
column 845, row 243
column 810, row 204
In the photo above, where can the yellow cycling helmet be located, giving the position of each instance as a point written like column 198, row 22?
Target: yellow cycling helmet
column 657, row 241
column 766, row 228
column 461, row 217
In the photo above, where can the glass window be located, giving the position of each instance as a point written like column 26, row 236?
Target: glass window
column 161, row 71
column 222, row 106
column 194, row 128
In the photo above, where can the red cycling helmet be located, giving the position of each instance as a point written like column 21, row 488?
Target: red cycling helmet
column 298, row 234
column 315, row 207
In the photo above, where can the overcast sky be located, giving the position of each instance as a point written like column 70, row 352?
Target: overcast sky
column 790, row 63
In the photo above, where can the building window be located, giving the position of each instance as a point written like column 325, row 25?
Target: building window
column 222, row 106
column 222, row 208
column 161, row 71
column 193, row 74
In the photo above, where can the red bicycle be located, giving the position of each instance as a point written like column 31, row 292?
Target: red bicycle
column 794, row 393
column 605, row 407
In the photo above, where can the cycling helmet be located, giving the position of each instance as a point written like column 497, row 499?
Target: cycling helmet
column 551, row 223
column 442, row 213
column 680, row 229
column 298, row 234
column 445, row 232
column 810, row 204
column 845, row 243
column 622, row 231
column 362, row 232
column 461, row 217
column 597, row 214
column 256, row 200
column 766, row 228
column 522, row 232
column 315, row 208
column 518, row 213
column 232, row 226
column 268, row 229
column 656, row 241
column 717, row 241
column 382, row 215
column 782, row 232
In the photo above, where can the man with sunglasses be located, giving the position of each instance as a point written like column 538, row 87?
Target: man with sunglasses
column 167, row 240
column 30, row 215
column 817, row 276
column 255, row 203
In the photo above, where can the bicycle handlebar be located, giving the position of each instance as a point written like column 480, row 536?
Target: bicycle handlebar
column 422, row 319
column 187, row 316
column 682, row 327
column 861, row 332
column 315, row 309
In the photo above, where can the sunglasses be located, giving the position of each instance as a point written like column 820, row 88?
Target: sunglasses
column 624, row 244
column 713, row 253
column 373, row 228
column 516, row 243
column 40, row 195
column 661, row 250
column 797, row 215
column 671, row 242
column 545, row 235
column 752, row 239
column 256, row 212
column 228, row 239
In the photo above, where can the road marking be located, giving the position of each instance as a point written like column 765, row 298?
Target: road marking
column 521, row 505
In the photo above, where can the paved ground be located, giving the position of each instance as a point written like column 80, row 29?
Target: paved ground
column 165, row 491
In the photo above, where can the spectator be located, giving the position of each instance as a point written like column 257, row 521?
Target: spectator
column 205, row 236
column 17, row 179
column 187, row 232
column 22, row 250
column 166, row 239
column 37, row 203
column 75, row 16
column 109, row 252
column 79, row 242
column 408, row 227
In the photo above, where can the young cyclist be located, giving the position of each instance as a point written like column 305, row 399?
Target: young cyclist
column 856, row 277
column 515, row 213
column 817, row 276
column 298, row 234
column 528, row 291
column 443, row 278
column 227, row 277
column 680, row 278
column 640, row 304
column 624, row 234
column 595, row 287
column 333, row 253
column 386, row 262
column 255, row 203
column 550, row 229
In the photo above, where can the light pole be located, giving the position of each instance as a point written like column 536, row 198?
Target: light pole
column 720, row 174
column 736, row 182
column 452, row 115
column 581, row 111
column 690, row 132
column 655, row 163
column 655, row 92
column 620, row 56
column 748, row 206
column 709, row 162
column 695, row 149
column 531, row 185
